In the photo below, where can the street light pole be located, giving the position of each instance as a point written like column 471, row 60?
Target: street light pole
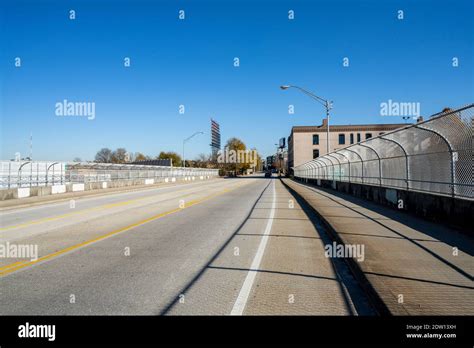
column 184, row 141
column 327, row 126
column 326, row 103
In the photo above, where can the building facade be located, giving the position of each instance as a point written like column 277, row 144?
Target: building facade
column 308, row 142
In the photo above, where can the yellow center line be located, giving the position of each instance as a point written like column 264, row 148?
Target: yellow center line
column 86, row 210
column 12, row 265
column 22, row 264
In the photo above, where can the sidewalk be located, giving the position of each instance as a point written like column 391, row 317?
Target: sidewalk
column 409, row 262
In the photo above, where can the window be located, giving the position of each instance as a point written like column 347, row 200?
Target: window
column 315, row 153
column 342, row 139
column 381, row 133
column 368, row 135
column 352, row 138
column 315, row 139
column 358, row 137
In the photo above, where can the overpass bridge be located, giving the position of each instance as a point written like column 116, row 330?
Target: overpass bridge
column 251, row 245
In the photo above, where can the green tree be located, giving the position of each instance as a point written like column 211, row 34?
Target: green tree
column 239, row 165
column 175, row 158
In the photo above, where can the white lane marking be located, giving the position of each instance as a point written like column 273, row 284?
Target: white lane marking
column 244, row 293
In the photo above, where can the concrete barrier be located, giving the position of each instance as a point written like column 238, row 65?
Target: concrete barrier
column 77, row 187
column 23, row 192
column 449, row 211
column 58, row 189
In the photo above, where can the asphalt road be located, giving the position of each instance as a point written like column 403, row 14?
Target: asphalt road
column 238, row 246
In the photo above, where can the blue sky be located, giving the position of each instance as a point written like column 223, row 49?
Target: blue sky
column 190, row 62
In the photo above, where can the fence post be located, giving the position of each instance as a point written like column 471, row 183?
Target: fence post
column 19, row 174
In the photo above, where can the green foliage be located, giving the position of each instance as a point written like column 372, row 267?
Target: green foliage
column 176, row 159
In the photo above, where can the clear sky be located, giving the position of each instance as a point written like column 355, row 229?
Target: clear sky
column 191, row 62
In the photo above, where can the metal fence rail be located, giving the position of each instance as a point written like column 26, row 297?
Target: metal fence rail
column 27, row 173
column 30, row 174
column 435, row 156
column 81, row 173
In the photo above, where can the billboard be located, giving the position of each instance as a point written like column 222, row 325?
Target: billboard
column 215, row 136
column 282, row 143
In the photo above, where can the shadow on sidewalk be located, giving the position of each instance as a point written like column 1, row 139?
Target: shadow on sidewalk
column 438, row 232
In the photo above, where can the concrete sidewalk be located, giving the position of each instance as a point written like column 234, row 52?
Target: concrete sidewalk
column 415, row 267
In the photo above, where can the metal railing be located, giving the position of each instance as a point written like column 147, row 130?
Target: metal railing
column 29, row 174
column 85, row 173
column 434, row 156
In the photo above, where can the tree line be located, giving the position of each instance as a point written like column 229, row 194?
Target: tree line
column 122, row 156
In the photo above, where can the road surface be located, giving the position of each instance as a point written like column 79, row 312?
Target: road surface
column 240, row 246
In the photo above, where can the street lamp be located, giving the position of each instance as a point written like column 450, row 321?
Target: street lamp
column 184, row 141
column 326, row 103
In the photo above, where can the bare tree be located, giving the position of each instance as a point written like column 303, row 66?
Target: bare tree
column 202, row 160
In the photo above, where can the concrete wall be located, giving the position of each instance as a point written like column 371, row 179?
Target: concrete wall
column 441, row 209
column 25, row 192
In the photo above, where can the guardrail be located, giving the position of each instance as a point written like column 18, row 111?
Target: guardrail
column 32, row 174
column 434, row 156
column 80, row 173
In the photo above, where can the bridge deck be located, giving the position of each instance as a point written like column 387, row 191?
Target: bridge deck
column 412, row 264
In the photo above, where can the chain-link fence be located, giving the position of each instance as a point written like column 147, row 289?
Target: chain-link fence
column 29, row 174
column 109, row 172
column 435, row 156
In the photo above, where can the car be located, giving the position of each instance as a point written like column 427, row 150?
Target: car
column 268, row 174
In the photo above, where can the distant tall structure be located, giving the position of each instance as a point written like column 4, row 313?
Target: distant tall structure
column 31, row 146
column 215, row 139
